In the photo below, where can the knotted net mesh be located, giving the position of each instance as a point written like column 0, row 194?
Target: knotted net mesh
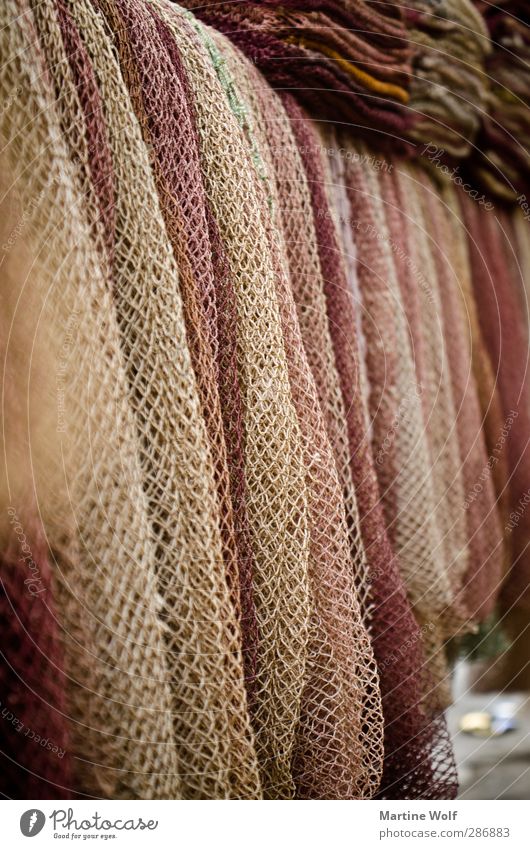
column 418, row 758
column 338, row 751
column 94, row 512
column 275, row 470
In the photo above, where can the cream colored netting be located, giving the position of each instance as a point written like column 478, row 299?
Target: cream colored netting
column 439, row 405
column 277, row 502
column 87, row 478
column 211, row 727
column 339, row 749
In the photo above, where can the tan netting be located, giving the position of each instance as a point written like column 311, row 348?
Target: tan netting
column 487, row 388
column 211, row 721
column 194, row 611
column 398, row 438
column 210, row 395
column 417, row 762
column 480, row 583
column 277, row 502
column 439, row 411
column 87, row 480
column 338, row 751
column 153, row 83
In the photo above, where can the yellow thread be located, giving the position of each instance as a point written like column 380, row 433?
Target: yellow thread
column 367, row 80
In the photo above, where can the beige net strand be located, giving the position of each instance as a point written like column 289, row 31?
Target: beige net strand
column 94, row 511
column 277, row 502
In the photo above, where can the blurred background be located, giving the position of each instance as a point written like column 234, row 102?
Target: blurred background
column 493, row 754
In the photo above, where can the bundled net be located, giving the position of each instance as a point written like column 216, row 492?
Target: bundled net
column 275, row 472
column 338, row 751
column 121, row 738
column 448, row 85
column 418, row 759
column 501, row 159
column 197, row 251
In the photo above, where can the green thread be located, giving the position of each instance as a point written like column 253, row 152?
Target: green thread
column 235, row 101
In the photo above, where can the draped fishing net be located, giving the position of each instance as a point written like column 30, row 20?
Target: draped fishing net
column 211, row 721
column 338, row 751
column 205, row 279
column 437, row 397
column 220, row 560
column 172, row 525
column 153, row 73
column 502, row 318
column 275, row 470
column 487, row 389
column 345, row 61
column 418, row 758
column 480, row 582
column 398, row 436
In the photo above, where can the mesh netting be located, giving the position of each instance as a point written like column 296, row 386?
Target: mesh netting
column 211, row 721
column 172, row 524
column 480, row 582
column 152, row 71
column 34, row 745
column 502, row 317
column 345, row 61
column 418, row 759
column 487, row 389
column 398, row 435
column 277, row 503
column 437, row 395
column 338, row 750
column 155, row 77
column 94, row 515
column 225, row 356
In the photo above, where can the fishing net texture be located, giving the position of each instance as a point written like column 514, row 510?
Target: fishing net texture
column 264, row 393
